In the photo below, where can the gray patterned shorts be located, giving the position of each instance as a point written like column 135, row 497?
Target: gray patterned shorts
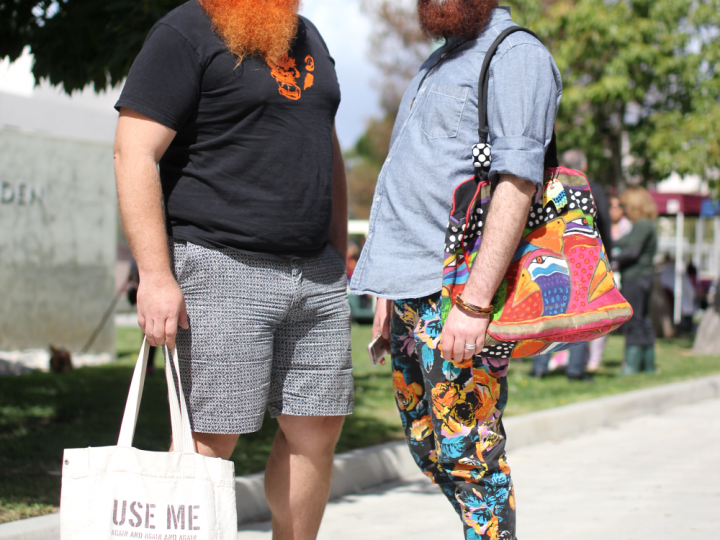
column 264, row 333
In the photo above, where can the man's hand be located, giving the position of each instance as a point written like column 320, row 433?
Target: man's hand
column 463, row 328
column 139, row 144
column 161, row 308
column 503, row 229
column 381, row 323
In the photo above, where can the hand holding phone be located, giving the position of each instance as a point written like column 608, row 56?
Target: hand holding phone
column 377, row 349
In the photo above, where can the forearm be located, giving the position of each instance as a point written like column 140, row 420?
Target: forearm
column 139, row 144
column 503, row 230
column 141, row 212
column 339, row 224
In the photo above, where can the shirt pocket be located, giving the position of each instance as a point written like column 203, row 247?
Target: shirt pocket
column 443, row 110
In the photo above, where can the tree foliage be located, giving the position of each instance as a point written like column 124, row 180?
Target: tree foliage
column 687, row 140
column 397, row 49
column 644, row 74
column 641, row 79
column 79, row 42
column 645, row 68
column 364, row 162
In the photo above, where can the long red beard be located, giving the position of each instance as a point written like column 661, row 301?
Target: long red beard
column 255, row 27
column 465, row 19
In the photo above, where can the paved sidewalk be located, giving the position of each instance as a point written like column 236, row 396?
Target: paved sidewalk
column 651, row 478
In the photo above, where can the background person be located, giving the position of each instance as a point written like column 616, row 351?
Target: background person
column 236, row 101
column 688, row 293
column 353, row 254
column 634, row 255
column 579, row 355
column 621, row 225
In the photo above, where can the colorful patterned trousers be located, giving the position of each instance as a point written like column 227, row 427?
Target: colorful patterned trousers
column 452, row 417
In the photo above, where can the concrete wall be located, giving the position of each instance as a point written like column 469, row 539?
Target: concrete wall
column 57, row 241
column 65, row 120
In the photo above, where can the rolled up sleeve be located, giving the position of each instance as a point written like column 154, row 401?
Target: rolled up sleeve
column 523, row 98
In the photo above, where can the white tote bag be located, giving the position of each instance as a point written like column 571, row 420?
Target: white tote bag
column 122, row 492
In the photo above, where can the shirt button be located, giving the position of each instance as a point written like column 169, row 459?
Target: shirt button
column 377, row 199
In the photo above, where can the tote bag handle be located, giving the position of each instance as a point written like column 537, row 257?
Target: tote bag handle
column 551, row 157
column 179, row 417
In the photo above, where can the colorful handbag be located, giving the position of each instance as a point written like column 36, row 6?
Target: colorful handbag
column 559, row 288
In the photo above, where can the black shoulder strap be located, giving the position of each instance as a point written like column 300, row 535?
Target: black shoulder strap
column 551, row 159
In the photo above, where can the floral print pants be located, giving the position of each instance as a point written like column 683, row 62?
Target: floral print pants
column 452, row 416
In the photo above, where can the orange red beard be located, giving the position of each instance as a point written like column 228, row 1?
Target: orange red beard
column 465, row 19
column 255, row 27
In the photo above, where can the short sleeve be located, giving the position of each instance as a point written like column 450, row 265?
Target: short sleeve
column 523, row 96
column 319, row 35
column 164, row 80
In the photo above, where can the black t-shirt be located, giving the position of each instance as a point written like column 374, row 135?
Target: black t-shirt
column 251, row 165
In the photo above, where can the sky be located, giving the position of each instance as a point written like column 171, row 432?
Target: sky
column 345, row 30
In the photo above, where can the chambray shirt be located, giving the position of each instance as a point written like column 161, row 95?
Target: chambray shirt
column 430, row 153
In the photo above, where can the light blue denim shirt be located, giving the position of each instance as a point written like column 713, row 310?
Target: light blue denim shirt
column 430, row 153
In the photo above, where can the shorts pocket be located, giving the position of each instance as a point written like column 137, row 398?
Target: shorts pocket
column 443, row 110
column 180, row 250
column 333, row 253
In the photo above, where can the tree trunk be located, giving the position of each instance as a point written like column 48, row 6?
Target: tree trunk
column 660, row 311
column 616, row 160
column 706, row 339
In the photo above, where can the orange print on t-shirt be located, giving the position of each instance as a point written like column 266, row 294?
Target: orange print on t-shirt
column 309, row 66
column 286, row 74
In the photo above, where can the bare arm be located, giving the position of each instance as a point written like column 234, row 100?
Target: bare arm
column 503, row 230
column 139, row 144
column 339, row 225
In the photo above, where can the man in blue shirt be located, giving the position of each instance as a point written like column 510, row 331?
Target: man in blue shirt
column 451, row 399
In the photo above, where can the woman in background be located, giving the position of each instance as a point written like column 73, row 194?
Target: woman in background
column 619, row 227
column 634, row 255
column 620, row 224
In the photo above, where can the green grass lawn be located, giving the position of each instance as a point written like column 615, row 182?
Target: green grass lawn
column 42, row 413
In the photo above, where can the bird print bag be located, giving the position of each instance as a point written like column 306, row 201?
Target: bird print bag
column 559, row 289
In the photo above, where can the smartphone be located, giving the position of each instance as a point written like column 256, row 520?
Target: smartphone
column 378, row 348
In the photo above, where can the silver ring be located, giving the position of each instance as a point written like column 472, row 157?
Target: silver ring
column 470, row 346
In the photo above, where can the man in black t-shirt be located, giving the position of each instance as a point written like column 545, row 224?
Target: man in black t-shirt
column 233, row 197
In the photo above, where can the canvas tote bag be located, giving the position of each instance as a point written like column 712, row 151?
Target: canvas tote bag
column 122, row 492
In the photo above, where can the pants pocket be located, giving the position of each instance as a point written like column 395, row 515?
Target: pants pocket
column 179, row 255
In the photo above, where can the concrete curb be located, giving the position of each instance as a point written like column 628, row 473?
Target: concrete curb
column 571, row 420
column 37, row 528
column 368, row 467
column 354, row 471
